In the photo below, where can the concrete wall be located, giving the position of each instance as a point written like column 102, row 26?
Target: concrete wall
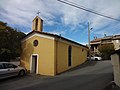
column 79, row 56
column 116, row 44
column 115, row 59
column 44, row 50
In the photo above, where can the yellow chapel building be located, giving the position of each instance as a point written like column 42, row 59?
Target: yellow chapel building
column 50, row 54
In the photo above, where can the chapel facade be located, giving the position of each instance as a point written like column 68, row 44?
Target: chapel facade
column 50, row 54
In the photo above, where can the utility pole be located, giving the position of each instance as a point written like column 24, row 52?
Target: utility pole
column 89, row 40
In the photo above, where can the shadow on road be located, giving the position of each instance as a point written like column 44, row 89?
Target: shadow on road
column 111, row 86
column 87, row 63
column 9, row 79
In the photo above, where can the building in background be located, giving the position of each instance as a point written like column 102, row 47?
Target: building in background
column 49, row 54
column 95, row 45
column 115, row 40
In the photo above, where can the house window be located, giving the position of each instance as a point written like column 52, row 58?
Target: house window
column 36, row 24
column 95, row 47
column 82, row 49
column 69, row 55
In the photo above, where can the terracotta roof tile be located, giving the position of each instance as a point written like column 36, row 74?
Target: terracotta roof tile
column 96, row 40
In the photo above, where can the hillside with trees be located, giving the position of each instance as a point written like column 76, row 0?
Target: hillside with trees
column 10, row 42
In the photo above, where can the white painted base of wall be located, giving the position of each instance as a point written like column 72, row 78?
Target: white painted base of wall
column 116, row 68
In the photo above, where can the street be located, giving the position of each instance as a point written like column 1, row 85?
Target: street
column 94, row 75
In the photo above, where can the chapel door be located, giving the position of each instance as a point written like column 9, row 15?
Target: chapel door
column 34, row 64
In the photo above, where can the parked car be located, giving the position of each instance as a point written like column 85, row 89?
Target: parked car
column 8, row 70
column 97, row 58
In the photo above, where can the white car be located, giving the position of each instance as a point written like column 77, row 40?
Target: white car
column 8, row 70
column 97, row 58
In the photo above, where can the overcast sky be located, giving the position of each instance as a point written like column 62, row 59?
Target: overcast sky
column 62, row 19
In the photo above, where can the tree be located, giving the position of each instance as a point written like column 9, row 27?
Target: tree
column 10, row 42
column 106, row 50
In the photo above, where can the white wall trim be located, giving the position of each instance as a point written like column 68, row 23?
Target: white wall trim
column 31, row 62
column 39, row 35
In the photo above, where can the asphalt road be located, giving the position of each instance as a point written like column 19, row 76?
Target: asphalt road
column 95, row 75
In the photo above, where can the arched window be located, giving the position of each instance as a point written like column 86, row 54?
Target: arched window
column 36, row 24
column 69, row 55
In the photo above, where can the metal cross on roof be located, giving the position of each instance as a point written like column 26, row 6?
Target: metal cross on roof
column 38, row 13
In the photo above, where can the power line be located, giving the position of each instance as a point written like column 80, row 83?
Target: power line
column 88, row 10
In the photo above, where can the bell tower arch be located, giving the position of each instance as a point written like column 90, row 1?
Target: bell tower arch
column 37, row 24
